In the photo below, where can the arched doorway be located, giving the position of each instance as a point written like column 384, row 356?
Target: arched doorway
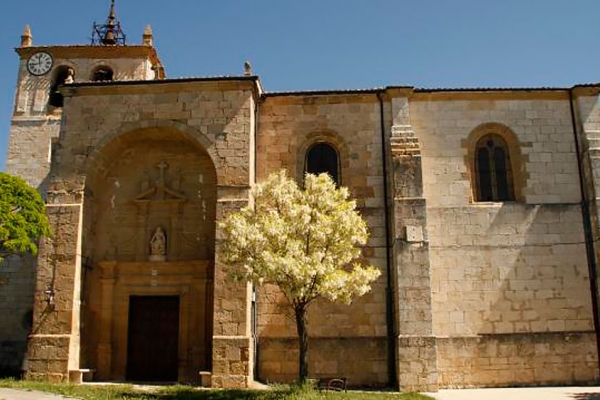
column 149, row 244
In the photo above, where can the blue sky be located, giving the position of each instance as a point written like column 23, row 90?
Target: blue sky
column 333, row 44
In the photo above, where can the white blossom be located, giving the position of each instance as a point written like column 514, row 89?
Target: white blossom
column 306, row 241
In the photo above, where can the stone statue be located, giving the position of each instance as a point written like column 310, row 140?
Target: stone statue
column 247, row 68
column 70, row 76
column 158, row 245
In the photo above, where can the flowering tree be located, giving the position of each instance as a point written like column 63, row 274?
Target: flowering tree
column 302, row 240
column 22, row 217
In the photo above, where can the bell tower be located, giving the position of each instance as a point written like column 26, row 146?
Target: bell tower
column 35, row 125
column 45, row 69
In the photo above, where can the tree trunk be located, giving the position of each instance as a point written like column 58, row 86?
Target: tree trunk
column 300, row 311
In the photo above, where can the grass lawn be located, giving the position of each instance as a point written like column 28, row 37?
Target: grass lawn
column 113, row 392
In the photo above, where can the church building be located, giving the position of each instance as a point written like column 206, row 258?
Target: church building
column 481, row 205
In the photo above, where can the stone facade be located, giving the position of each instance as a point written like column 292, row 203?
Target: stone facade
column 501, row 271
column 288, row 125
column 472, row 293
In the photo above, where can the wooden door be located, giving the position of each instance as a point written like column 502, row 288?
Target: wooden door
column 152, row 343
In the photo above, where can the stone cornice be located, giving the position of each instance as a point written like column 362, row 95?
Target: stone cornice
column 97, row 52
column 496, row 94
column 83, row 51
column 586, row 90
column 161, row 86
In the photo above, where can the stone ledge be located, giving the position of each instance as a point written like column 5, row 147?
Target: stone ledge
column 517, row 359
column 362, row 360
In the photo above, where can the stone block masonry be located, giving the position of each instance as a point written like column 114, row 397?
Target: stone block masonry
column 519, row 359
column 338, row 334
column 472, row 293
column 511, row 297
column 16, row 300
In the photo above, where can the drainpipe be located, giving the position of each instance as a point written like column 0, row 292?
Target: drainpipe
column 255, row 332
column 389, row 290
column 254, row 311
column 587, row 229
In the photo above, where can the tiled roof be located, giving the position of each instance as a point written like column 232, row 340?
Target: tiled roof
column 317, row 92
column 164, row 81
column 424, row 90
column 325, row 92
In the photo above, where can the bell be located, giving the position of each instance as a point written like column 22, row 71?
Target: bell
column 109, row 38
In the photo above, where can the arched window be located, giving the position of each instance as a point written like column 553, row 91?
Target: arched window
column 493, row 169
column 322, row 157
column 62, row 75
column 102, row 73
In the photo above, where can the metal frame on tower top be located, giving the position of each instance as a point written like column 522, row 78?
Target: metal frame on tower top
column 110, row 33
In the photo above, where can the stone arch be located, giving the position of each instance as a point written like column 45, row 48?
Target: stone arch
column 141, row 178
column 515, row 156
column 195, row 136
column 102, row 73
column 59, row 76
column 137, row 146
column 68, row 64
column 329, row 137
column 103, row 63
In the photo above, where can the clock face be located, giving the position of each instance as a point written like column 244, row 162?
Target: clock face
column 39, row 63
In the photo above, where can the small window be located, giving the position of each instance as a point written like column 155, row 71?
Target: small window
column 323, row 158
column 102, row 73
column 493, row 170
column 62, row 75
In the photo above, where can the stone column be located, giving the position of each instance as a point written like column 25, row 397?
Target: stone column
column 104, row 351
column 232, row 339
column 416, row 361
column 54, row 342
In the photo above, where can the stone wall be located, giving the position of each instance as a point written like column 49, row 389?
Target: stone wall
column 361, row 360
column 101, row 144
column 16, row 300
column 288, row 125
column 29, row 149
column 55, row 329
column 522, row 359
column 587, row 117
column 532, row 276
column 508, row 274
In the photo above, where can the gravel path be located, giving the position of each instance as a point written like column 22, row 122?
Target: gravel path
column 534, row 393
column 19, row 394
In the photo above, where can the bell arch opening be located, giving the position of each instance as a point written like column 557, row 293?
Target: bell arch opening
column 61, row 75
column 102, row 73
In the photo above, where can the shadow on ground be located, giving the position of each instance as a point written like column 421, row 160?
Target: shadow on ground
column 118, row 392
column 585, row 396
column 191, row 394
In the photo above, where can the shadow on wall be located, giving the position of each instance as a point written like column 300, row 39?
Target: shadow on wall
column 544, row 290
column 544, row 284
column 12, row 354
column 514, row 292
column 16, row 298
